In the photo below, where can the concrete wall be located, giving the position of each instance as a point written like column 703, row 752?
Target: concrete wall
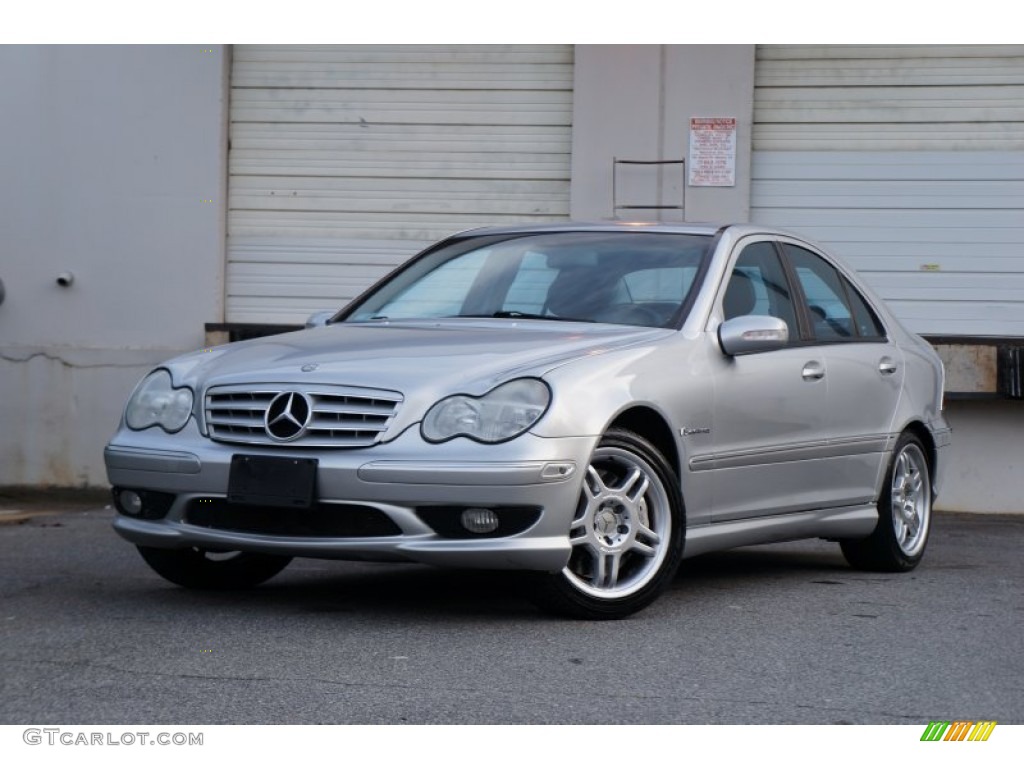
column 114, row 163
column 635, row 102
column 984, row 469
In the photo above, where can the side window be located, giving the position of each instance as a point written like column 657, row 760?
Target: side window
column 830, row 314
column 758, row 286
column 864, row 318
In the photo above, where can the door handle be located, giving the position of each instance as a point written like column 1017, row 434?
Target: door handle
column 813, row 371
column 886, row 366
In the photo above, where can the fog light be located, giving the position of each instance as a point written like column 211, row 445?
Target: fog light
column 477, row 520
column 129, row 502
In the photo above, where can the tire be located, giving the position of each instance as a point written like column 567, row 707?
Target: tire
column 627, row 534
column 904, row 514
column 202, row 569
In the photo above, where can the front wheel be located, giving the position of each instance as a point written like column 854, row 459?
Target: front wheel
column 207, row 569
column 904, row 514
column 627, row 533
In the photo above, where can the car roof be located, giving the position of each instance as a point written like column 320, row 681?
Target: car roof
column 687, row 228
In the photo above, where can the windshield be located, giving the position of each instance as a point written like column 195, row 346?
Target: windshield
column 628, row 278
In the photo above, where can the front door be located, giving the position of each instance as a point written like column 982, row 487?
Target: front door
column 770, row 417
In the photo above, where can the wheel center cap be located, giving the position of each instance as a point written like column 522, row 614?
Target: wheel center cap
column 611, row 522
column 606, row 523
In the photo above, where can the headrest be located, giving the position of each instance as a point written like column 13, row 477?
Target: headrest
column 739, row 296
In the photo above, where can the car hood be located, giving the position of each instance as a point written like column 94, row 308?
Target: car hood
column 457, row 355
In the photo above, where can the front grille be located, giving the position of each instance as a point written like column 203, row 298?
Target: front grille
column 342, row 417
column 336, row 521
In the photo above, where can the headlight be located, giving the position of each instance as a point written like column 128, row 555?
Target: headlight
column 155, row 402
column 501, row 414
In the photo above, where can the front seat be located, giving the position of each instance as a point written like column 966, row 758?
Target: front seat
column 578, row 293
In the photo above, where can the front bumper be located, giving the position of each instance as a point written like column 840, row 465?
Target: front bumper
column 397, row 480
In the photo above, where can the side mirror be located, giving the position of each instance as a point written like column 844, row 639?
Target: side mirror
column 752, row 333
column 318, row 319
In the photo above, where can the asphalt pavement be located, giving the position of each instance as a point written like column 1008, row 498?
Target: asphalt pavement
column 777, row 634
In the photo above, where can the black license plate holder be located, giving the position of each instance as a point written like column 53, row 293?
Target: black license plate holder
column 272, row 481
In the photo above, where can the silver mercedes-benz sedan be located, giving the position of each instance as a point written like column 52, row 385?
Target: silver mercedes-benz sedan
column 588, row 404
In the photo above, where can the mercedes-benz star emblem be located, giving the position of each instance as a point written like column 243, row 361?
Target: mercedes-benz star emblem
column 288, row 416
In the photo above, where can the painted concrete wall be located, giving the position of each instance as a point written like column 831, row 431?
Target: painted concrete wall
column 114, row 163
column 984, row 469
column 635, row 102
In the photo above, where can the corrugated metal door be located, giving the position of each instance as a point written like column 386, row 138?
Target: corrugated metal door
column 909, row 161
column 345, row 160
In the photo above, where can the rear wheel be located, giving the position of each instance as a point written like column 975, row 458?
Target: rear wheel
column 904, row 514
column 207, row 569
column 626, row 535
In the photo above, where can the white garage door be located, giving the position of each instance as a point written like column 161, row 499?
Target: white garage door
column 345, row 160
column 909, row 161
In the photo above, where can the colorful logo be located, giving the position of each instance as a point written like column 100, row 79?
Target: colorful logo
column 958, row 730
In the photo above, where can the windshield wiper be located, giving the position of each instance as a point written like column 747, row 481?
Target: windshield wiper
column 509, row 313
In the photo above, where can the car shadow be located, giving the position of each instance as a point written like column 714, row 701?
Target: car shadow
column 314, row 587
column 791, row 563
column 775, row 559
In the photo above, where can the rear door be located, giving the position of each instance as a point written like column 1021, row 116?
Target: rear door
column 864, row 372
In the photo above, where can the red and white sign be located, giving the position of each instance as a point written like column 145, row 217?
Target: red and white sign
column 712, row 152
